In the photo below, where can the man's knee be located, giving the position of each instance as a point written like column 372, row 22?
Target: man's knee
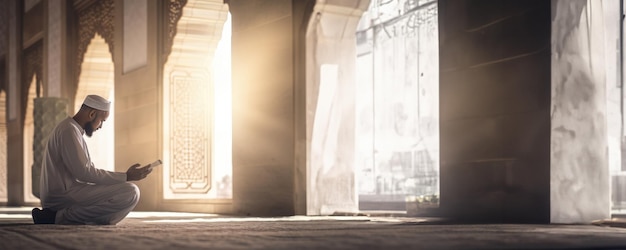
column 131, row 191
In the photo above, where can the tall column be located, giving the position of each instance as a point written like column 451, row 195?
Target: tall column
column 55, row 39
column 15, row 166
column 50, row 109
column 330, row 107
column 263, row 71
column 495, row 110
column 523, row 111
column 579, row 174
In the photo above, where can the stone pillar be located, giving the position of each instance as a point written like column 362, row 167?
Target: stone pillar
column 15, row 166
column 495, row 110
column 56, row 63
column 579, row 174
column 330, row 100
column 523, row 111
column 263, row 68
column 47, row 113
column 4, row 31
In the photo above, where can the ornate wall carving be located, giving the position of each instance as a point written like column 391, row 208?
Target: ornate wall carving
column 188, row 98
column 174, row 13
column 190, row 137
column 47, row 113
column 95, row 18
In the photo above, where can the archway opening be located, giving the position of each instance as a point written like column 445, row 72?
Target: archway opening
column 197, row 109
column 397, row 106
column 97, row 77
column 223, row 110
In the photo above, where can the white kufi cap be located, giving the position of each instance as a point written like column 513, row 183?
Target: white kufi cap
column 97, row 102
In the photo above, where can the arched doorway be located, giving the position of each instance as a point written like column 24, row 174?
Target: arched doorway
column 372, row 105
column 330, row 99
column 197, row 108
column 97, row 77
column 397, row 104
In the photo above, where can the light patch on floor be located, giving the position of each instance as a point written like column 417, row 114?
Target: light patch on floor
column 275, row 219
column 24, row 213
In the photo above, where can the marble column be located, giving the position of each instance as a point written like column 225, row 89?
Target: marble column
column 51, row 108
column 330, row 100
column 265, row 89
column 579, row 179
column 15, row 165
column 56, row 64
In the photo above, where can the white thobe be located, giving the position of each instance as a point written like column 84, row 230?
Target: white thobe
column 75, row 188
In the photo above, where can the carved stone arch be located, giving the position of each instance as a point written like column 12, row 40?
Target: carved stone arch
column 174, row 11
column 188, row 89
column 32, row 64
column 97, row 17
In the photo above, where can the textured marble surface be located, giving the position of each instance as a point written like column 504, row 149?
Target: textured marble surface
column 579, row 184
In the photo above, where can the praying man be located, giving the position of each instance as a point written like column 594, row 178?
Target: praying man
column 73, row 190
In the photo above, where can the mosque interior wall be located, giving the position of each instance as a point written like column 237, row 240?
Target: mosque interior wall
column 504, row 111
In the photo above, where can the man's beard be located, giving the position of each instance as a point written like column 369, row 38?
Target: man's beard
column 89, row 128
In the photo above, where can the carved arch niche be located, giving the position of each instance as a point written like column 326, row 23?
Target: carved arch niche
column 92, row 17
column 193, row 32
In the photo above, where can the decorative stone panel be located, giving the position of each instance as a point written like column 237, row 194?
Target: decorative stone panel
column 188, row 98
column 96, row 18
column 47, row 113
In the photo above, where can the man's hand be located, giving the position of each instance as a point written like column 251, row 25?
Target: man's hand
column 136, row 173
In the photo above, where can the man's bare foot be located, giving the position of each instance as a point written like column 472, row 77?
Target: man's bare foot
column 45, row 216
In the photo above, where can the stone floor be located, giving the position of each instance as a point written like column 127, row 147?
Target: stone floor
column 157, row 230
